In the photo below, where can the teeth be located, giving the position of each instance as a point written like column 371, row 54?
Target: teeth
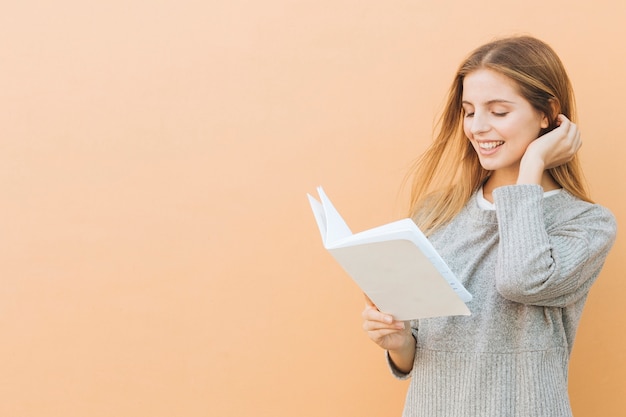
column 490, row 145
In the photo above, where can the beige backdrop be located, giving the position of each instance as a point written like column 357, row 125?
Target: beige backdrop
column 157, row 253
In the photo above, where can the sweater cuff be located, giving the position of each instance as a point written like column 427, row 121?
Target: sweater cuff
column 517, row 192
column 392, row 366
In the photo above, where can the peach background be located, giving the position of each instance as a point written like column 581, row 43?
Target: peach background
column 157, row 253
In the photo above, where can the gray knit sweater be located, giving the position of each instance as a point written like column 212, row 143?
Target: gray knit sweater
column 529, row 265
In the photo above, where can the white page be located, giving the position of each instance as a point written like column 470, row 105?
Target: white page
column 320, row 218
column 336, row 227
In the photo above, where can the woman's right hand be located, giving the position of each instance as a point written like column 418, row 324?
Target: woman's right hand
column 389, row 334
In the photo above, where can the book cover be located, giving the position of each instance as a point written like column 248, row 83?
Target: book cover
column 395, row 265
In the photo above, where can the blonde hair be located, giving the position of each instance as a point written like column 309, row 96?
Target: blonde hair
column 449, row 172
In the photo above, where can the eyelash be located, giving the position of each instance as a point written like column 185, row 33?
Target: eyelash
column 494, row 113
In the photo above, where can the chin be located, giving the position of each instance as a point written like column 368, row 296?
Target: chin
column 488, row 166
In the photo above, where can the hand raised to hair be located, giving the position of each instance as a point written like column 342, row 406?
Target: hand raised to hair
column 557, row 146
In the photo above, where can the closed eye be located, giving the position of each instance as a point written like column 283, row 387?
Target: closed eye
column 500, row 114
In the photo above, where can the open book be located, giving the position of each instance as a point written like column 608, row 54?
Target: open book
column 395, row 265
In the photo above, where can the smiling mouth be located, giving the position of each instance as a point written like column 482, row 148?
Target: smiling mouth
column 490, row 145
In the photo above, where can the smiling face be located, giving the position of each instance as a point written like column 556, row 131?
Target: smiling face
column 499, row 122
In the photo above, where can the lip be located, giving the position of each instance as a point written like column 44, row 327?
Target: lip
column 484, row 151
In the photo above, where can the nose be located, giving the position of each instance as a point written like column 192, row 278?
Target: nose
column 479, row 124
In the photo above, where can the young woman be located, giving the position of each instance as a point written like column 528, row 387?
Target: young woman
column 501, row 195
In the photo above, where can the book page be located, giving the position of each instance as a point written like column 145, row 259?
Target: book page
column 336, row 227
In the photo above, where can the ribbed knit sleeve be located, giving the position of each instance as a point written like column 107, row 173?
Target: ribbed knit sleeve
column 548, row 266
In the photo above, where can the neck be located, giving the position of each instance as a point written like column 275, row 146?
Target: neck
column 497, row 179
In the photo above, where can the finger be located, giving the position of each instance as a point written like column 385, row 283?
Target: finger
column 372, row 314
column 574, row 136
column 565, row 126
column 380, row 334
column 574, row 132
column 377, row 324
column 373, row 325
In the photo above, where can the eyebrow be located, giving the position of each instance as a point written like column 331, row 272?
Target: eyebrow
column 494, row 101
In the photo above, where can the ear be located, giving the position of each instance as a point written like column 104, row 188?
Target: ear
column 550, row 119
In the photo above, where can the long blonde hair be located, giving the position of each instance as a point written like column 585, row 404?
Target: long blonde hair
column 449, row 172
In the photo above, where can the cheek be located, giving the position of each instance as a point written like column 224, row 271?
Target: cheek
column 466, row 129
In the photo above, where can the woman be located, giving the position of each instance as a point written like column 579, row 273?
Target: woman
column 500, row 194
